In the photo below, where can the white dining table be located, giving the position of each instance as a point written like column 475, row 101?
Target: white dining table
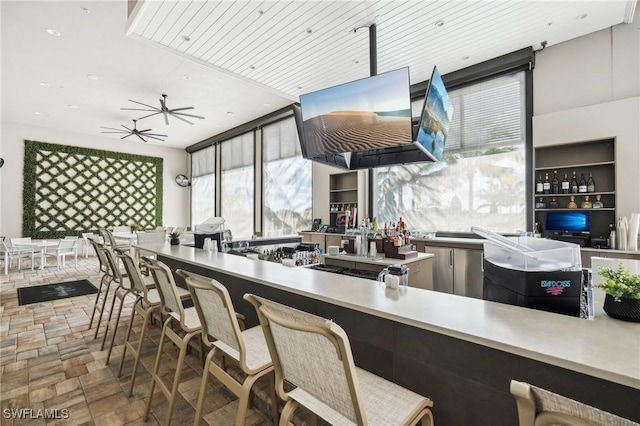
column 39, row 246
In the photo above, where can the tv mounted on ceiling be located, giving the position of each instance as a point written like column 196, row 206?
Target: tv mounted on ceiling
column 336, row 160
column 435, row 120
column 370, row 113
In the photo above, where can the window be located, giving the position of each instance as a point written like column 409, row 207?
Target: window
column 237, row 185
column 287, row 191
column 482, row 176
column 203, row 185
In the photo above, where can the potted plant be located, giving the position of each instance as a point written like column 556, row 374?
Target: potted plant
column 622, row 290
column 174, row 240
column 134, row 227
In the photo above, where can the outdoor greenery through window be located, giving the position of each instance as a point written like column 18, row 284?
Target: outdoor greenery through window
column 481, row 178
column 203, row 185
column 237, row 185
column 287, row 191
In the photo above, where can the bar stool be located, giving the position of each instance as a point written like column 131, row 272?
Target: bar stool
column 146, row 304
column 313, row 354
column 539, row 407
column 247, row 349
column 188, row 322
column 105, row 282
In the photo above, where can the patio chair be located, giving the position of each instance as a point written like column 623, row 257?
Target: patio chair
column 66, row 247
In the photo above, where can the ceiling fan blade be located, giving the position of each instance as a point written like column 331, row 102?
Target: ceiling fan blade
column 138, row 109
column 111, row 128
column 142, row 131
column 153, row 137
column 128, row 129
column 140, row 103
column 119, row 131
column 180, row 118
column 150, row 115
column 141, row 138
column 126, row 136
column 188, row 115
column 180, row 109
column 166, row 117
column 152, row 134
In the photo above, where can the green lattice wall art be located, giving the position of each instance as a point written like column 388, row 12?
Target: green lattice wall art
column 69, row 190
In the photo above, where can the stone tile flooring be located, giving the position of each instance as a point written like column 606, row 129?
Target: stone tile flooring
column 49, row 360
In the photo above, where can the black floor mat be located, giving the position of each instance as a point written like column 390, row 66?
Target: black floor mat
column 45, row 293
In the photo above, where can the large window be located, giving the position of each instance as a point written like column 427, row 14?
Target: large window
column 287, row 191
column 203, row 185
column 237, row 185
column 481, row 178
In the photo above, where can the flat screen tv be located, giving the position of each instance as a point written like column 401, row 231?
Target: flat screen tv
column 437, row 112
column 370, row 113
column 568, row 222
column 336, row 160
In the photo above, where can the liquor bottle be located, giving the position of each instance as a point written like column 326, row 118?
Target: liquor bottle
column 572, row 203
column 612, row 236
column 555, row 185
column 586, row 204
column 540, row 204
column 582, row 186
column 591, row 184
column 546, row 185
column 565, row 185
column 598, row 204
column 539, row 185
column 553, row 204
column 537, row 233
column 574, row 184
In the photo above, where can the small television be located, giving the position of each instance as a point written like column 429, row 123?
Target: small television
column 568, row 222
column 336, row 160
column 435, row 119
column 374, row 112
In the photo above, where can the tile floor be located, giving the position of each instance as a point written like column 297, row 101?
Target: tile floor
column 49, row 360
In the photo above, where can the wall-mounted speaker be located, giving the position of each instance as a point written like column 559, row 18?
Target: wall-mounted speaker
column 1, row 162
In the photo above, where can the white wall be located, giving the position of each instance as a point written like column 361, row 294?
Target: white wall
column 589, row 88
column 175, row 198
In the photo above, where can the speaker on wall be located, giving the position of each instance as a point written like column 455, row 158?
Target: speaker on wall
column 1, row 162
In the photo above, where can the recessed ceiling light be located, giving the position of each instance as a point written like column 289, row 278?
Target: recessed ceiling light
column 93, row 77
column 186, row 38
column 53, row 32
column 550, row 23
column 266, row 104
column 73, row 106
column 261, row 12
column 44, row 84
column 252, row 67
column 356, row 61
column 37, row 113
column 581, row 16
column 218, row 125
column 229, row 112
column 186, row 77
column 439, row 23
column 309, row 31
column 85, row 10
column 464, row 58
column 299, row 87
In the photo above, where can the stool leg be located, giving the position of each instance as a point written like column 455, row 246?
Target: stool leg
column 156, row 367
column 106, row 331
column 176, row 379
column 139, row 351
column 126, row 339
column 115, row 329
column 203, row 386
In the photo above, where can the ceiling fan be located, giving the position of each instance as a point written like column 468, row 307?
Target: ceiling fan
column 135, row 131
column 166, row 112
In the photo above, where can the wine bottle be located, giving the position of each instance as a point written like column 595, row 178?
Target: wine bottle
column 565, row 185
column 591, row 184
column 539, row 185
column 555, row 185
column 546, row 185
column 582, row 186
column 574, row 184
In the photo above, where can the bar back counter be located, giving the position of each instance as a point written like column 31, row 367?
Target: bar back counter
column 460, row 352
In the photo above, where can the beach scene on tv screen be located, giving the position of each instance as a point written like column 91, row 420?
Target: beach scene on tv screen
column 370, row 113
column 436, row 118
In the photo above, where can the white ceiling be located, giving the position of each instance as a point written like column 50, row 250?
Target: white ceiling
column 248, row 57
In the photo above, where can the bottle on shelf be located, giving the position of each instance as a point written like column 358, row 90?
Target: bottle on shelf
column 574, row 183
column 586, row 204
column 555, row 184
column 537, row 233
column 553, row 204
column 565, row 185
column 400, row 224
column 572, row 203
column 582, row 186
column 539, row 185
column 540, row 204
column 546, row 185
column 591, row 184
column 598, row 204
column 612, row 236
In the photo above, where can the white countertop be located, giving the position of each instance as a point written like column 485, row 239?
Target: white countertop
column 605, row 348
column 386, row 261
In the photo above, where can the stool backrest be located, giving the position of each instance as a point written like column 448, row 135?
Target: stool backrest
column 312, row 353
column 166, row 285
column 114, row 267
column 102, row 257
column 134, row 275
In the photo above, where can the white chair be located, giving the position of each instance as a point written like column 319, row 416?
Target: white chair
column 245, row 349
column 148, row 238
column 313, row 354
column 86, row 244
column 539, row 407
column 18, row 253
column 66, row 247
column 121, row 229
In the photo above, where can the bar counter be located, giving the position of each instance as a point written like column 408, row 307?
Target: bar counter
column 461, row 352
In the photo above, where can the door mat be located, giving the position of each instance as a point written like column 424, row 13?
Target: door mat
column 45, row 293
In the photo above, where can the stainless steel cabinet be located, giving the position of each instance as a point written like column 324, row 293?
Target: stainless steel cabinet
column 457, row 271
